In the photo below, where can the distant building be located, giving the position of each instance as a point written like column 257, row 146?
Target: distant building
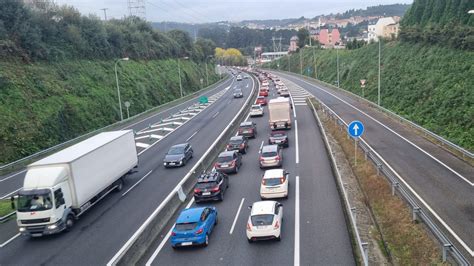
column 329, row 38
column 293, row 44
column 386, row 27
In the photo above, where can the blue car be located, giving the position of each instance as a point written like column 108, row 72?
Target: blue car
column 193, row 227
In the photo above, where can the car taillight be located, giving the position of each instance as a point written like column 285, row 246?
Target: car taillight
column 263, row 182
column 232, row 163
column 198, row 232
column 242, row 145
column 277, row 225
column 173, row 233
column 262, row 159
column 197, row 190
column 215, row 189
column 249, row 227
column 229, row 146
column 282, row 180
column 277, row 157
column 216, row 165
column 250, row 130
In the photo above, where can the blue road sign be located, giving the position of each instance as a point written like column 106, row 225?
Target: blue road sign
column 355, row 129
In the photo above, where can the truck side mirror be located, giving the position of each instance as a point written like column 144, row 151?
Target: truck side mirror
column 12, row 198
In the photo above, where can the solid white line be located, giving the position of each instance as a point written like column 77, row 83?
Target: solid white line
column 301, row 104
column 391, row 130
column 15, row 174
column 297, row 222
column 236, row 216
column 9, row 194
column 192, row 136
column 293, row 104
column 9, row 240
column 297, row 145
column 261, row 146
column 134, row 185
column 216, row 114
column 165, row 239
column 142, row 145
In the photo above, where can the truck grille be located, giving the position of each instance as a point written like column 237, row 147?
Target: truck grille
column 35, row 221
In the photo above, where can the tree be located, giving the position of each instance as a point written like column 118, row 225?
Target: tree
column 303, row 37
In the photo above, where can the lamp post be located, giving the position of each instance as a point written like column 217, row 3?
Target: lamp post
column 118, row 88
column 337, row 65
column 179, row 75
column 378, row 90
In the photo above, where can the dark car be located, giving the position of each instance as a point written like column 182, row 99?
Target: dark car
column 238, row 143
column 178, row 155
column 211, row 186
column 228, row 162
column 238, row 93
column 248, row 129
column 278, row 137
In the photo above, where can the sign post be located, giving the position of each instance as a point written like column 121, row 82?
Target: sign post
column 127, row 105
column 355, row 130
column 362, row 85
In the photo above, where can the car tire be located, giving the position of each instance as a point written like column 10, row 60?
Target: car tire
column 119, row 185
column 221, row 196
column 174, row 247
column 249, row 240
column 69, row 222
column 217, row 221
column 206, row 242
column 278, row 238
column 236, row 169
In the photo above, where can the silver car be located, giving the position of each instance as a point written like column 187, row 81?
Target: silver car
column 271, row 156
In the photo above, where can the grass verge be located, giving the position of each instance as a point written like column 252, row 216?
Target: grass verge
column 407, row 242
column 5, row 207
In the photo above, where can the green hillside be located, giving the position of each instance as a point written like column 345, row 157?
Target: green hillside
column 429, row 85
column 43, row 104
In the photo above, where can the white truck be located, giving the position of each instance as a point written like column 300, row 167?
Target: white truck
column 58, row 189
column 279, row 112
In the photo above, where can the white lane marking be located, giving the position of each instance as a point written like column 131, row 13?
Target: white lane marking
column 13, row 175
column 293, row 104
column 297, row 142
column 169, row 129
column 9, row 240
column 138, row 182
column 216, row 114
column 153, row 136
column 165, row 239
column 236, row 216
column 229, row 101
column 142, row 145
column 160, row 207
column 297, row 222
column 261, row 147
column 391, row 130
column 192, row 136
column 9, row 194
column 450, row 230
column 301, row 104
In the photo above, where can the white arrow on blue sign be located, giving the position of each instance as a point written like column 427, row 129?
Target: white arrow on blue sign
column 355, row 129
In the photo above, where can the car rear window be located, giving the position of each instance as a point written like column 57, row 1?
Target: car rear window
column 269, row 154
column 204, row 185
column 278, row 135
column 224, row 159
column 256, row 107
column 272, row 181
column 246, row 126
column 262, row 219
column 235, row 141
column 185, row 226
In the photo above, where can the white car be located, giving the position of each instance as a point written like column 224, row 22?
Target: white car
column 265, row 221
column 274, row 184
column 239, row 78
column 265, row 83
column 256, row 110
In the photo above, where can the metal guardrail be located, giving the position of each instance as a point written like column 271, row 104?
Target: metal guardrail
column 178, row 194
column 16, row 165
column 444, row 142
column 363, row 246
column 401, row 187
column 4, row 218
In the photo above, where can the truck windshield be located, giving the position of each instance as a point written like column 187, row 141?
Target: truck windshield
column 38, row 200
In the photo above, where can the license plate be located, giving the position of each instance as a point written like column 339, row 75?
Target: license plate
column 206, row 193
column 172, row 163
column 224, row 165
column 277, row 141
column 186, row 243
column 246, row 131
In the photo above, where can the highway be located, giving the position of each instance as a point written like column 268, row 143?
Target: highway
column 101, row 232
column 13, row 182
column 314, row 231
column 442, row 180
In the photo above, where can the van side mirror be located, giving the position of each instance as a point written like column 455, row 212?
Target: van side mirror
column 12, row 198
column 280, row 205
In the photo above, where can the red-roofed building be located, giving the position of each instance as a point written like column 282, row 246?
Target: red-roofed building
column 329, row 38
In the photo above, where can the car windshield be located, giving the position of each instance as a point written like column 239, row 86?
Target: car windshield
column 224, row 159
column 185, row 226
column 278, row 135
column 39, row 200
column 269, row 154
column 176, row 150
column 262, row 219
column 272, row 181
column 204, row 185
column 235, row 141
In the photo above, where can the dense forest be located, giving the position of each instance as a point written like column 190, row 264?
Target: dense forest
column 441, row 22
column 57, row 78
column 380, row 10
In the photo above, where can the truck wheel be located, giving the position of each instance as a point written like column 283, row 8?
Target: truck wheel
column 69, row 222
column 119, row 186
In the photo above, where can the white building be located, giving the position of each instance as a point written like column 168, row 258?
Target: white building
column 376, row 30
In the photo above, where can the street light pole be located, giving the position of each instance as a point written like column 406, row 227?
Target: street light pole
column 180, row 85
column 378, row 96
column 301, row 62
column 118, row 88
column 337, row 63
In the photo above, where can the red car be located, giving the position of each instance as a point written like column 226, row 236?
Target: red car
column 263, row 93
column 261, row 100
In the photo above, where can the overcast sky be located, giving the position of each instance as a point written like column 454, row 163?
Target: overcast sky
column 200, row 11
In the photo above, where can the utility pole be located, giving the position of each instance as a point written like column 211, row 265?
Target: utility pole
column 289, row 63
column 337, row 63
column 301, row 61
column 105, row 13
column 315, row 66
column 378, row 97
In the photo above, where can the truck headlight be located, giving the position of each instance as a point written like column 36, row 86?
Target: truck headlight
column 52, row 227
column 164, row 164
column 22, row 229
